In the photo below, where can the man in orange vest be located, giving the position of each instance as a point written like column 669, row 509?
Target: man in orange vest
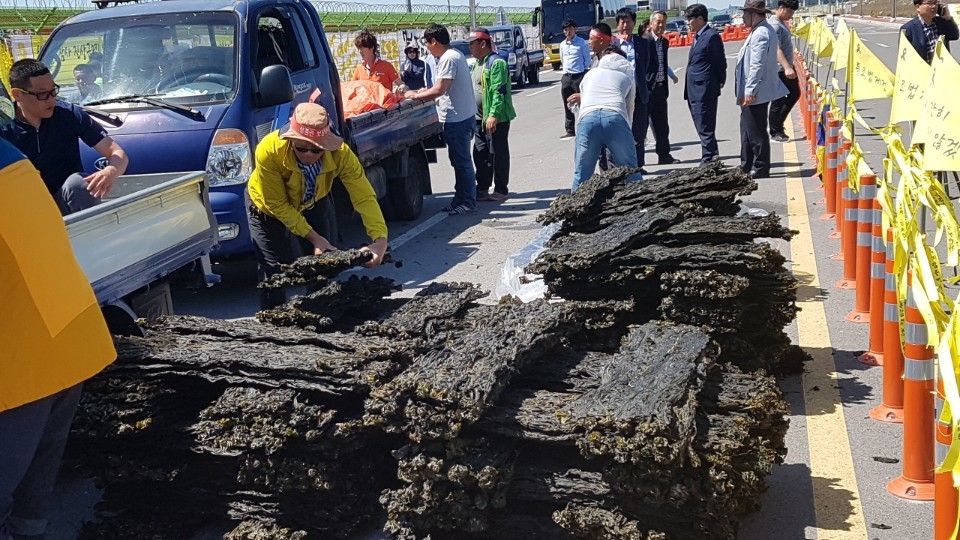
column 54, row 337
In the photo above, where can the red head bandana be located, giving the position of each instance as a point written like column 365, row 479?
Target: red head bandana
column 594, row 33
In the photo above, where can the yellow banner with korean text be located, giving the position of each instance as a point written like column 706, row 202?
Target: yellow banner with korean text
column 868, row 77
column 940, row 115
column 913, row 76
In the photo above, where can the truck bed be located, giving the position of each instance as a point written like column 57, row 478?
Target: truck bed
column 381, row 133
column 156, row 224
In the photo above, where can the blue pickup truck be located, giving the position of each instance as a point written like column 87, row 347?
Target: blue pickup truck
column 188, row 85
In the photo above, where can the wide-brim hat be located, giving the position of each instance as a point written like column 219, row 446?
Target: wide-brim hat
column 756, row 6
column 311, row 123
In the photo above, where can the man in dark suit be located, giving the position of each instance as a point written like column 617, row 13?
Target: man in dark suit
column 639, row 52
column 933, row 20
column 659, row 90
column 706, row 75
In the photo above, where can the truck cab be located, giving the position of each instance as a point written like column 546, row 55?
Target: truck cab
column 524, row 62
column 195, row 84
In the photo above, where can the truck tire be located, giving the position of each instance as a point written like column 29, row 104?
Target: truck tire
column 535, row 74
column 521, row 77
column 555, row 66
column 406, row 194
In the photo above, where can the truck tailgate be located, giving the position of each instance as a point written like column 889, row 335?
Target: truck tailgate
column 158, row 223
column 381, row 133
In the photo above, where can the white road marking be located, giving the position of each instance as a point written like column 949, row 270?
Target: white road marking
column 540, row 91
column 679, row 69
column 417, row 231
column 882, row 45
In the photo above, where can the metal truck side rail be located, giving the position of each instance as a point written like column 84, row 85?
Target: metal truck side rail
column 159, row 224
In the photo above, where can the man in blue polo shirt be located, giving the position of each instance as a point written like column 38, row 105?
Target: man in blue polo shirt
column 46, row 130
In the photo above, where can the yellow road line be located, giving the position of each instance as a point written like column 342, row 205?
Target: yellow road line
column 836, row 497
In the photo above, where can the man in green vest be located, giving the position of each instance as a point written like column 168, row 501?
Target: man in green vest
column 491, row 86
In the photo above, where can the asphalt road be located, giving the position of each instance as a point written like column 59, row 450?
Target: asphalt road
column 806, row 499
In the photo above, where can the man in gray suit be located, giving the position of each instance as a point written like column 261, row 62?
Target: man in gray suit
column 757, row 84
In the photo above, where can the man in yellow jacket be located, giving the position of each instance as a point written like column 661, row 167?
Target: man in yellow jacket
column 287, row 210
column 54, row 337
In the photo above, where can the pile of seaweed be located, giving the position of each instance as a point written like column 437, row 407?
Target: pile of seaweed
column 677, row 247
column 349, row 409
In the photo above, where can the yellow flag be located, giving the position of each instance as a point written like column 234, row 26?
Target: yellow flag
column 913, row 76
column 827, row 41
column 802, row 30
column 842, row 47
column 869, row 77
column 940, row 114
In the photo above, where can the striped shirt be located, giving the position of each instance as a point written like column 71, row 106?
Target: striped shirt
column 930, row 30
column 310, row 173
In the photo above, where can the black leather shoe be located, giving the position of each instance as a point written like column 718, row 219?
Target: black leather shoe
column 669, row 160
column 761, row 173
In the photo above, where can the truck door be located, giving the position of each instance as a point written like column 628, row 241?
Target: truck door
column 277, row 37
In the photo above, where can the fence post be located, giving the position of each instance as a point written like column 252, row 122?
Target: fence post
column 917, row 481
column 864, row 245
column 878, row 259
column 891, row 402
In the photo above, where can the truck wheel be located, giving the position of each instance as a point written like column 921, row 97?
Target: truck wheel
column 535, row 74
column 406, row 194
column 521, row 77
column 555, row 66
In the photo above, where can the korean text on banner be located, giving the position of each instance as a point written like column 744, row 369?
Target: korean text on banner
column 940, row 116
column 913, row 76
column 869, row 77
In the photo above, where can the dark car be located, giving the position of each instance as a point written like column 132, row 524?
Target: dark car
column 719, row 22
column 461, row 46
column 677, row 25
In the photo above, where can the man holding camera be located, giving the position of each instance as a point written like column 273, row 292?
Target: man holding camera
column 933, row 20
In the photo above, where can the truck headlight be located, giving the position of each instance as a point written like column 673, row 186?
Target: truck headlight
column 512, row 58
column 230, row 161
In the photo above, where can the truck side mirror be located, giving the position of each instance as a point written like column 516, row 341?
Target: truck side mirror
column 275, row 86
column 536, row 18
column 599, row 12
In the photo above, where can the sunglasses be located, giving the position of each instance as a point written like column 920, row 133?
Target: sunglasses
column 43, row 96
column 308, row 150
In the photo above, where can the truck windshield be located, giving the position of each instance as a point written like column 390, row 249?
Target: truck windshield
column 555, row 11
column 188, row 58
column 503, row 38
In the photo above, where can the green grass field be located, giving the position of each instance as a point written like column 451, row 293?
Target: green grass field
column 42, row 21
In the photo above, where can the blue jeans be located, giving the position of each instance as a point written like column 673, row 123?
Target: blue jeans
column 459, row 139
column 597, row 129
column 73, row 196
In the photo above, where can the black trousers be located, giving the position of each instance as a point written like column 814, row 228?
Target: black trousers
column 569, row 85
column 491, row 156
column 754, row 139
column 274, row 244
column 704, row 114
column 780, row 108
column 641, row 120
column 659, row 121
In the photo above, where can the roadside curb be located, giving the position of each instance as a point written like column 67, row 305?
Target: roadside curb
column 887, row 20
